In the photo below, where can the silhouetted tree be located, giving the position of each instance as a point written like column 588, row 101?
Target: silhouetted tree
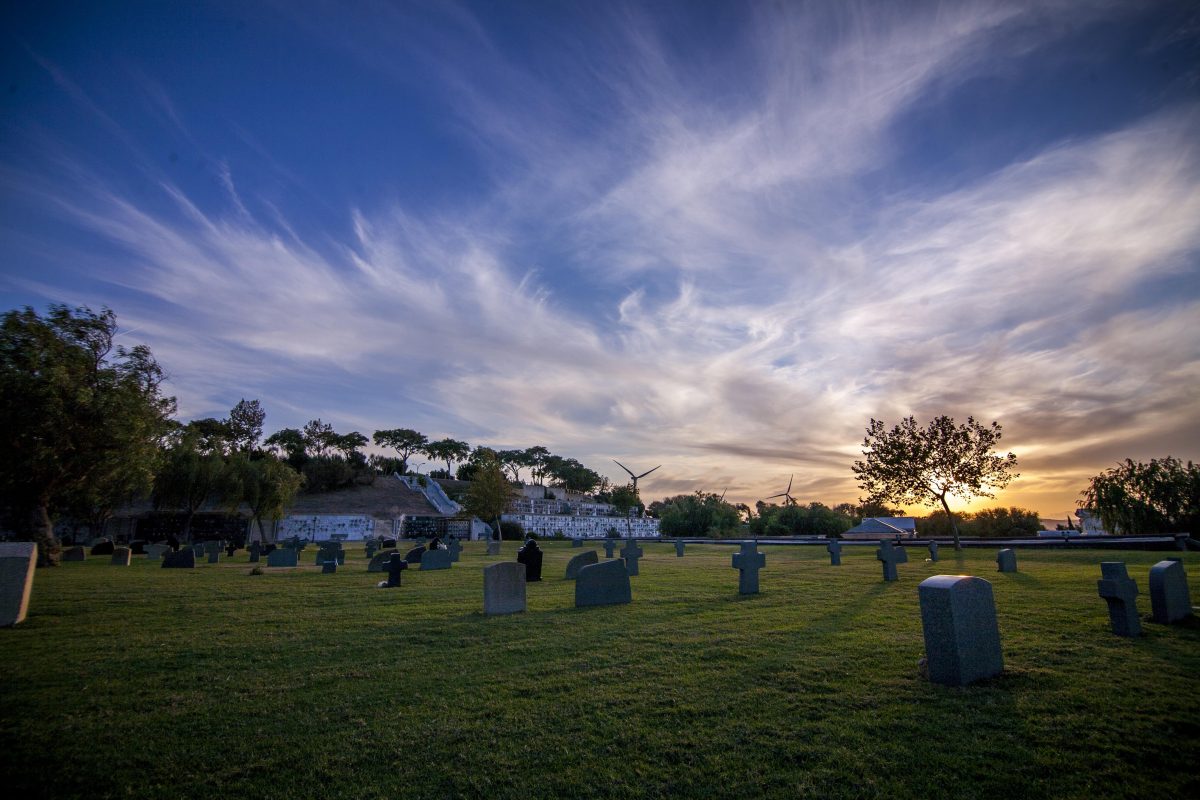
column 404, row 441
column 1162, row 496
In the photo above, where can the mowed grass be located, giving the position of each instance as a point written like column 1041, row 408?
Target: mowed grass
column 213, row 683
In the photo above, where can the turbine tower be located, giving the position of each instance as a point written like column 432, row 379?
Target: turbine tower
column 631, row 475
column 788, row 500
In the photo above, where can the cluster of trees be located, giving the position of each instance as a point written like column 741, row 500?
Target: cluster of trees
column 1162, row 496
column 989, row 523
column 697, row 514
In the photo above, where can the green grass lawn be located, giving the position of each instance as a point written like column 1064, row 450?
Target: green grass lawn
column 147, row 682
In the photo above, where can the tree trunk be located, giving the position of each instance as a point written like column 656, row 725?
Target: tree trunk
column 953, row 523
column 41, row 531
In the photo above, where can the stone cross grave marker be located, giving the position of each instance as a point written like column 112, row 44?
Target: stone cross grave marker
column 121, row 557
column 933, row 551
column 580, row 561
column 603, row 584
column 18, row 562
column 1169, row 597
column 679, row 549
column 435, row 559
column 835, row 552
column 609, row 546
column 890, row 555
column 631, row 553
column 1006, row 560
column 962, row 639
column 396, row 565
column 531, row 556
column 1120, row 592
column 504, row 588
column 748, row 562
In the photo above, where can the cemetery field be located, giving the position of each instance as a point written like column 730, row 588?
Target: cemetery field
column 142, row 682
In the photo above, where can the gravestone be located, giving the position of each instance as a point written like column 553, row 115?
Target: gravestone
column 138, row 547
column 748, row 562
column 835, row 552
column 329, row 567
column 103, row 547
column 493, row 547
column 76, row 553
column 579, row 562
column 386, row 543
column 577, row 542
column 603, row 584
column 396, row 565
column 1006, row 560
column 230, row 549
column 531, row 556
column 198, row 549
column 435, row 559
column 1120, row 592
column 1169, row 597
column 631, row 553
column 679, row 549
column 455, row 548
column 415, row 555
column 890, row 555
column 933, row 551
column 283, row 557
column 380, row 560
column 121, row 557
column 214, row 556
column 962, row 639
column 330, row 551
column 155, row 551
column 372, row 546
column 181, row 559
column 18, row 562
column 609, row 546
column 255, row 552
column 504, row 588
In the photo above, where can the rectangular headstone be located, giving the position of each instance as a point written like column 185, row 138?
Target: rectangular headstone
column 1120, row 592
column 1170, row 600
column 577, row 542
column 18, row 561
column 121, row 557
column 610, row 545
column 329, row 567
column 76, row 553
column 503, row 588
column 493, row 547
column 962, row 638
column 183, row 559
column 679, row 549
column 580, row 561
column 435, row 559
column 155, row 551
column 455, row 548
column 214, row 556
column 1006, row 560
column 283, row 557
column 603, row 584
column 933, row 551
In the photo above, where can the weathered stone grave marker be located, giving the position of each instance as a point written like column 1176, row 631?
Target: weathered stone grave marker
column 1006, row 560
column 181, row 559
column 835, row 552
column 415, row 555
column 580, row 561
column 631, row 553
column 748, row 562
column 283, row 557
column 933, row 551
column 1170, row 600
column 329, row 567
column 18, row 562
column 493, row 547
column 121, row 557
column 962, row 638
column 372, row 546
column 531, row 556
column 76, row 553
column 102, row 547
column 1120, row 592
column 576, row 542
column 379, row 561
column 609, row 546
column 891, row 555
column 678, row 549
column 455, row 548
column 155, row 551
column 255, row 552
column 504, row 588
column 603, row 584
column 435, row 559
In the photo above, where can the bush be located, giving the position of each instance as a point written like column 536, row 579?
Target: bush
column 326, row 473
column 512, row 531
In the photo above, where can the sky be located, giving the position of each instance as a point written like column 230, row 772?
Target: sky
column 720, row 237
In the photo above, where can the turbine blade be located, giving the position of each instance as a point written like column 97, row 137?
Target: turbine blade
column 647, row 472
column 622, row 466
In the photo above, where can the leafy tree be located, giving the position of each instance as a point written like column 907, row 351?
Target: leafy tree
column 348, row 445
column 448, row 450
column 815, row 519
column 572, row 475
column 289, row 443
column 404, row 441
column 78, row 424
column 536, row 460
column 625, row 499
column 908, row 464
column 189, row 477
column 267, row 485
column 319, row 438
column 1162, row 496
column 699, row 514
column 512, row 461
column 209, row 435
column 245, row 425
column 490, row 493
column 1003, row 522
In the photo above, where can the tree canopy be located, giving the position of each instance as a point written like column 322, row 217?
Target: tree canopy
column 1162, row 496
column 698, row 514
column 405, row 441
column 80, row 424
column 909, row 464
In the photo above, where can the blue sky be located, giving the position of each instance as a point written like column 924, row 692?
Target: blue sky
column 716, row 236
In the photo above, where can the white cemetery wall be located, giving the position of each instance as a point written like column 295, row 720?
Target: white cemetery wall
column 321, row 527
column 572, row 527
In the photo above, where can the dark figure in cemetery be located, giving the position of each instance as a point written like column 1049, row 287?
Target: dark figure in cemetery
column 531, row 556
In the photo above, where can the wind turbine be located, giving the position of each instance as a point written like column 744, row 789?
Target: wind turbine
column 631, row 475
column 785, row 494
